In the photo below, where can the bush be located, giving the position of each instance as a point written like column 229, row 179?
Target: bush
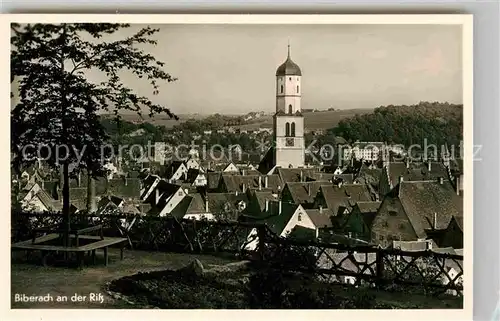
column 273, row 289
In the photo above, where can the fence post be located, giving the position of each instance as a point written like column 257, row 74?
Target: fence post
column 380, row 268
column 261, row 234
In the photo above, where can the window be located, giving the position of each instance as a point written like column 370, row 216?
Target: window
column 281, row 88
column 289, row 141
column 292, row 131
column 297, row 89
column 290, row 78
column 393, row 213
column 300, row 218
column 287, row 129
column 290, row 108
column 180, row 193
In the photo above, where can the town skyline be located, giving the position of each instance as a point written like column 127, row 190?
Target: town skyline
column 389, row 66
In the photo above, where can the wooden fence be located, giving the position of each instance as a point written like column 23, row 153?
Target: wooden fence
column 386, row 268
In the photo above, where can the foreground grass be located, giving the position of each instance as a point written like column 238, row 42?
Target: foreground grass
column 32, row 279
column 265, row 289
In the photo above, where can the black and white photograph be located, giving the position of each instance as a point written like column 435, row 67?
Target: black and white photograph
column 157, row 164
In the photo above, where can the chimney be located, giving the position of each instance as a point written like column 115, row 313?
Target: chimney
column 185, row 175
column 79, row 179
column 321, row 209
column 236, row 193
column 206, row 204
column 244, row 188
column 301, row 176
column 157, row 196
column 457, row 182
column 308, row 189
column 243, row 172
column 260, row 182
column 441, row 180
column 435, row 220
column 266, row 182
column 279, row 207
column 407, row 162
column 267, row 205
column 429, row 165
column 401, row 179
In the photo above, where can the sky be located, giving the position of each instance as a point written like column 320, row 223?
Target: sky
column 231, row 69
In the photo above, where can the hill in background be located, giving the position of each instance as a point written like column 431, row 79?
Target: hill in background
column 436, row 123
column 313, row 120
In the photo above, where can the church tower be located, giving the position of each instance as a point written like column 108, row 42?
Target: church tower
column 288, row 121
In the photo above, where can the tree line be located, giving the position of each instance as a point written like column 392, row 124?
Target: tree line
column 437, row 123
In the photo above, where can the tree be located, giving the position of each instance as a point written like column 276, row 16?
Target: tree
column 59, row 106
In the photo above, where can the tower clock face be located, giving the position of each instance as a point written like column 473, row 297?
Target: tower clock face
column 289, row 141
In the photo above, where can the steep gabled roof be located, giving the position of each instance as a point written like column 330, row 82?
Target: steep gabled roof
column 192, row 174
column 220, row 202
column 197, row 204
column 277, row 222
column 304, row 192
column 181, row 208
column 425, row 199
column 347, row 195
column 213, row 179
column 301, row 233
column 51, row 204
column 288, row 175
column 320, row 218
column 368, row 211
column 129, row 188
column 165, row 190
column 369, row 175
column 262, row 197
column 368, row 207
column 416, row 171
column 268, row 162
column 172, row 168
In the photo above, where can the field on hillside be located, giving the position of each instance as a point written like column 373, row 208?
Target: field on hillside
column 316, row 120
column 159, row 120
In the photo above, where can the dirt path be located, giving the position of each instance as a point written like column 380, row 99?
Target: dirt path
column 33, row 280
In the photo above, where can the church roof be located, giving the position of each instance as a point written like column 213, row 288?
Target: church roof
column 288, row 68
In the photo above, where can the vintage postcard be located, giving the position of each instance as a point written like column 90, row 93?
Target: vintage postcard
column 168, row 162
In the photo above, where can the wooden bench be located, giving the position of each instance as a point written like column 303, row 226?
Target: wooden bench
column 77, row 233
column 99, row 243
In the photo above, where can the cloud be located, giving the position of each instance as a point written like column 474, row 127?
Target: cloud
column 431, row 64
column 377, row 54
